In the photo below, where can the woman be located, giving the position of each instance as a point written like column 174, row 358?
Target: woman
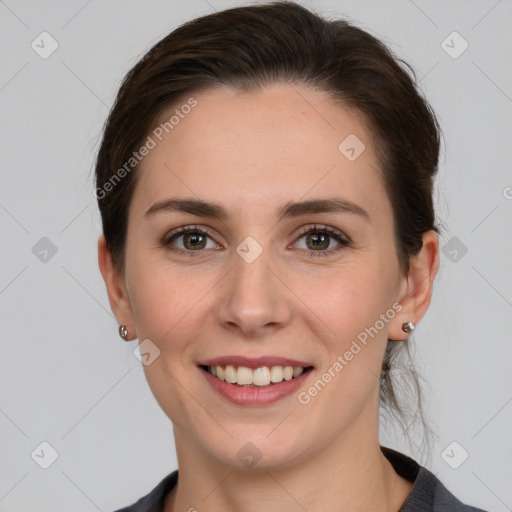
column 265, row 185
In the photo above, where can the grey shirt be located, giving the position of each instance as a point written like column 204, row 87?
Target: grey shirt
column 427, row 495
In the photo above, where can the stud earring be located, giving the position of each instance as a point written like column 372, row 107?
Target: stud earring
column 408, row 327
column 123, row 332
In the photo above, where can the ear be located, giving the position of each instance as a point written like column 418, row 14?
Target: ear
column 116, row 289
column 416, row 288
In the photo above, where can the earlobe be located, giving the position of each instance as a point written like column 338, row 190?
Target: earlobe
column 417, row 287
column 116, row 290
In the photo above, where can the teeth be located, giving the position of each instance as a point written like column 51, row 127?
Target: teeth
column 263, row 376
column 297, row 371
column 288, row 373
column 230, row 374
column 276, row 374
column 243, row 375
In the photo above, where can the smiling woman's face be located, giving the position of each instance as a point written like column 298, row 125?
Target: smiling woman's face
column 279, row 293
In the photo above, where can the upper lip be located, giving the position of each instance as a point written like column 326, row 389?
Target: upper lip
column 254, row 362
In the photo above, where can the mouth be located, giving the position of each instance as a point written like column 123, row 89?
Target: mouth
column 260, row 377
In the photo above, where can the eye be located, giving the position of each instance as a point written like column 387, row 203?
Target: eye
column 188, row 239
column 318, row 240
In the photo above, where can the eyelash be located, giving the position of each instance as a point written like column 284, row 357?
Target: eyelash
column 332, row 233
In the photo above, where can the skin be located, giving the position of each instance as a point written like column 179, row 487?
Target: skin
column 251, row 153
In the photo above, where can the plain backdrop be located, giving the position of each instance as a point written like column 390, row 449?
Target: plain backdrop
column 68, row 380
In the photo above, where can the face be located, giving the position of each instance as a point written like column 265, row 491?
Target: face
column 265, row 284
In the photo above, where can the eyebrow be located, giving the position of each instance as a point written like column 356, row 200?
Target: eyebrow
column 289, row 210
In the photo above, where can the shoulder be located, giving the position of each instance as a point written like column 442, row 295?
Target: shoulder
column 154, row 500
column 428, row 493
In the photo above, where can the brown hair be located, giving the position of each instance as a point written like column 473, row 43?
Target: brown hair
column 249, row 47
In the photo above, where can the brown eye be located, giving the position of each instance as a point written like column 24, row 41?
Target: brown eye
column 194, row 241
column 319, row 241
column 188, row 239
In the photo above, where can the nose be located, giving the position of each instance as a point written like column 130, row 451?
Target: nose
column 253, row 300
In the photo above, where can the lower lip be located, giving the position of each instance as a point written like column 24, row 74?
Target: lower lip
column 257, row 396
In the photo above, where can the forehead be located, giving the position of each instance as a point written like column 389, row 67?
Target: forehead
column 283, row 142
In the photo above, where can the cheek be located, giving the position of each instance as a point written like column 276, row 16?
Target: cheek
column 169, row 311
column 159, row 298
column 171, row 305
column 356, row 304
column 350, row 300
column 346, row 315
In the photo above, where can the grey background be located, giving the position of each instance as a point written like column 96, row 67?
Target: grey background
column 68, row 379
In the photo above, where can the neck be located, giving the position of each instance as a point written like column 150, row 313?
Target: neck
column 351, row 474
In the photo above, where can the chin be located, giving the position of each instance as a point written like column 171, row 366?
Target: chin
column 258, row 452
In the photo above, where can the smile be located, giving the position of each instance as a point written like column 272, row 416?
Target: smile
column 255, row 377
